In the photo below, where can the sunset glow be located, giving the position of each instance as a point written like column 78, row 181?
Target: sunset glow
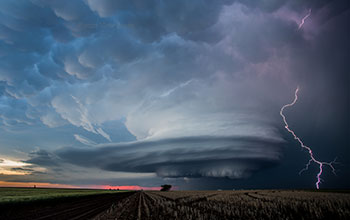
column 11, row 167
column 130, row 187
column 56, row 185
column 37, row 184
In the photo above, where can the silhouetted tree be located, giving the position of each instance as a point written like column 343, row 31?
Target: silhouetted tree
column 165, row 187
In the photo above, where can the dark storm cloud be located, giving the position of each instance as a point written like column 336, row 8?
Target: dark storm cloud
column 233, row 157
column 170, row 70
column 25, row 170
column 42, row 158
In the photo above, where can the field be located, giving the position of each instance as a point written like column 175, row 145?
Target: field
column 17, row 195
column 30, row 203
column 260, row 204
column 249, row 204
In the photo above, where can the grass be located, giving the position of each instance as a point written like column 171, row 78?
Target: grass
column 13, row 195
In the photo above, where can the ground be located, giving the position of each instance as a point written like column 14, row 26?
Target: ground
column 240, row 204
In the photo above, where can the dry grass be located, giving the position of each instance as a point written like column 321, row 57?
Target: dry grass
column 259, row 204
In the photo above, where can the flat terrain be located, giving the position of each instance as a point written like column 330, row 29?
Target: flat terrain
column 45, row 204
column 242, row 204
column 16, row 195
column 259, row 204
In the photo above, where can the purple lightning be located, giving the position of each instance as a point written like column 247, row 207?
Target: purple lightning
column 312, row 158
column 304, row 18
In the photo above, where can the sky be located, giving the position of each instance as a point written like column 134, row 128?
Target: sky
column 128, row 93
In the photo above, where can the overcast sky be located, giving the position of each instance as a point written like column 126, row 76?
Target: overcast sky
column 128, row 92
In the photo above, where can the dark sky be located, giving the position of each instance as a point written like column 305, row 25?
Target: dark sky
column 128, row 92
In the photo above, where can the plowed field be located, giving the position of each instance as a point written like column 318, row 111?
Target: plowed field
column 257, row 204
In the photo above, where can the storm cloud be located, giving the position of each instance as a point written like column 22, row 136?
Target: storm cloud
column 171, row 88
column 233, row 157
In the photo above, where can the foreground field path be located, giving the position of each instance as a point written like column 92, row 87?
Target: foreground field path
column 133, row 207
column 85, row 207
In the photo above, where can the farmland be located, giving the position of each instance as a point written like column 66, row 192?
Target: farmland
column 260, row 204
column 241, row 204
column 18, row 195
column 30, row 203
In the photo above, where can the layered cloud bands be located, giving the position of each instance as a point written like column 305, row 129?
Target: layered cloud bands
column 185, row 88
column 201, row 156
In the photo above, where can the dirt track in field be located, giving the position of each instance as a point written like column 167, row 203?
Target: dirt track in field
column 132, row 207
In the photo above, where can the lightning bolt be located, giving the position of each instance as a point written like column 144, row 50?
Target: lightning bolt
column 304, row 18
column 312, row 158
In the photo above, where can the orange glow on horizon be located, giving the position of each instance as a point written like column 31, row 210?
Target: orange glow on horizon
column 131, row 187
column 56, row 185
column 39, row 185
